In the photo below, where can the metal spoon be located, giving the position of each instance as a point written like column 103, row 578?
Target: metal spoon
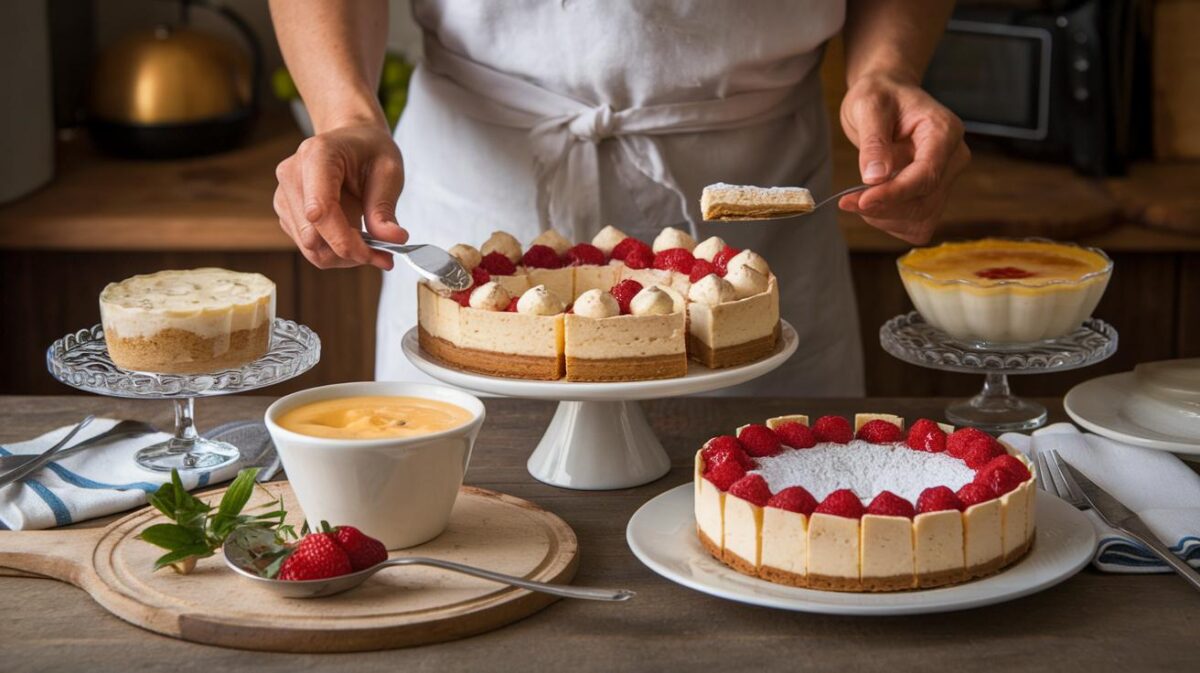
column 430, row 261
column 118, row 431
column 336, row 585
column 45, row 457
column 822, row 204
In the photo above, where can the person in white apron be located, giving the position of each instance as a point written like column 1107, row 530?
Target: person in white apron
column 576, row 114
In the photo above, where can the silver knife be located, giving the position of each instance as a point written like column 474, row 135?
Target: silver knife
column 1127, row 521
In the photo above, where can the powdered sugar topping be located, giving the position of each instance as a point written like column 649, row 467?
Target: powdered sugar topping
column 864, row 468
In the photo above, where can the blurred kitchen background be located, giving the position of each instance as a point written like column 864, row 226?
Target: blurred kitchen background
column 138, row 135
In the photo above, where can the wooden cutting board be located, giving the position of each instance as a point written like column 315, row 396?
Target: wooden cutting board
column 395, row 608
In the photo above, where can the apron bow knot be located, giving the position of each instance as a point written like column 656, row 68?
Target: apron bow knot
column 594, row 124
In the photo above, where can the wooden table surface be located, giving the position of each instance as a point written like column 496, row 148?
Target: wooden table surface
column 1091, row 622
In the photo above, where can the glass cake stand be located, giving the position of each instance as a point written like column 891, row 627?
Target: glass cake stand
column 911, row 339
column 599, row 438
column 81, row 360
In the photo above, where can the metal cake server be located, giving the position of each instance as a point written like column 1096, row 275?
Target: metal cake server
column 430, row 261
column 820, row 205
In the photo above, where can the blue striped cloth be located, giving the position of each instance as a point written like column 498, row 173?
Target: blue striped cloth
column 1157, row 485
column 89, row 484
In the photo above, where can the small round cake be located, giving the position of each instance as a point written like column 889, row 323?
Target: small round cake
column 868, row 507
column 188, row 322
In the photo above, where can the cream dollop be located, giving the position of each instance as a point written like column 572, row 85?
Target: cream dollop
column 490, row 296
column 608, row 238
column 709, row 248
column 553, row 240
column 671, row 237
column 537, row 300
column 651, row 301
column 747, row 258
column 712, row 290
column 503, row 243
column 747, row 281
column 467, row 255
column 597, row 303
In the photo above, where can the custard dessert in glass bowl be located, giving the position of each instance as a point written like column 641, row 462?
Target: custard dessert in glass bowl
column 1004, row 291
column 188, row 322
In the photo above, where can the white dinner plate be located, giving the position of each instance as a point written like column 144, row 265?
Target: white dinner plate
column 662, row 534
column 1099, row 405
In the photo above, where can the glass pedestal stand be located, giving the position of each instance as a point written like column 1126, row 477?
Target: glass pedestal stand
column 909, row 338
column 81, row 360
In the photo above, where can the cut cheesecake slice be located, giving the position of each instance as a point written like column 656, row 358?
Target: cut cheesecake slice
column 744, row 202
column 730, row 331
column 603, row 344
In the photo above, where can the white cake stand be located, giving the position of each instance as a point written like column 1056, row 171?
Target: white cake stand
column 599, row 438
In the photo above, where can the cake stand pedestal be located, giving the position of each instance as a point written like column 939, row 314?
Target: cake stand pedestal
column 81, row 360
column 909, row 338
column 599, row 438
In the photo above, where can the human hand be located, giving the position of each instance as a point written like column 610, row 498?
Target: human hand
column 332, row 181
column 901, row 131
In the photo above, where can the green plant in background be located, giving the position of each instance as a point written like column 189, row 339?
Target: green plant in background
column 393, row 86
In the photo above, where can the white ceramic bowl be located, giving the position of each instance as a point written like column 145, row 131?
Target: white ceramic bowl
column 399, row 490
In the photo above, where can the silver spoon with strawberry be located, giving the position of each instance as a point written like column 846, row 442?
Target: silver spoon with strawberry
column 240, row 555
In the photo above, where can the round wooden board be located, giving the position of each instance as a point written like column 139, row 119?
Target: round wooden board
column 395, row 608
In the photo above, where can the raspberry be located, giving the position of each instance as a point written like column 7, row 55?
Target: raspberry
column 841, row 502
column 541, row 257
column 998, row 478
column 794, row 499
column 973, row 494
column 675, row 259
column 721, row 259
column 723, row 448
column 700, row 269
column 624, row 292
column 479, row 276
column 512, row 305
column 641, row 258
column 723, row 475
column 796, row 435
column 752, row 488
column 759, row 441
column 497, row 264
column 1011, row 464
column 585, row 254
column 937, row 499
column 925, row 435
column 463, row 297
column 879, row 431
column 978, row 454
column 960, row 440
column 890, row 504
column 628, row 245
column 833, row 429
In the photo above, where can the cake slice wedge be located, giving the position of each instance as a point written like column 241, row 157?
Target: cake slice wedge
column 744, row 202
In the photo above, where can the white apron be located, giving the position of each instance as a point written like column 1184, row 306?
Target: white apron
column 575, row 114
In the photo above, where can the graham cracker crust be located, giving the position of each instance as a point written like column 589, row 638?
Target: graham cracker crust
column 176, row 351
column 737, row 211
column 627, row 369
column 706, row 542
column 508, row 365
column 732, row 356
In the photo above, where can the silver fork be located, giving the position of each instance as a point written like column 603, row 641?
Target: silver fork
column 1054, row 481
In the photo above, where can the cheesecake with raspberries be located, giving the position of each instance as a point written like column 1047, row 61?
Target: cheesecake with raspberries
column 867, row 507
column 615, row 309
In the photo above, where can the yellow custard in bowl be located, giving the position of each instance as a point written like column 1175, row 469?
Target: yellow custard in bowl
column 373, row 417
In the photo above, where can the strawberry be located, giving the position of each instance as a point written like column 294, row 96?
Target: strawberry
column 585, row 254
column 726, row 447
column 497, row 264
column 723, row 475
column 675, row 259
column 541, row 257
column 794, row 499
column 973, row 494
column 1010, row 463
column 796, row 435
column 980, row 453
column 317, row 556
column 964, row 438
column 879, row 431
column 700, row 269
column 363, row 550
column 937, row 499
column 479, row 276
column 925, row 435
column 752, row 488
column 624, row 292
column 640, row 258
column 759, row 441
column 721, row 259
column 890, row 504
column 998, row 478
column 833, row 429
column 628, row 245
column 841, row 502
column 463, row 297
column 512, row 305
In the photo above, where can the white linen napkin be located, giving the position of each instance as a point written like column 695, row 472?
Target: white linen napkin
column 91, row 483
column 1163, row 491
